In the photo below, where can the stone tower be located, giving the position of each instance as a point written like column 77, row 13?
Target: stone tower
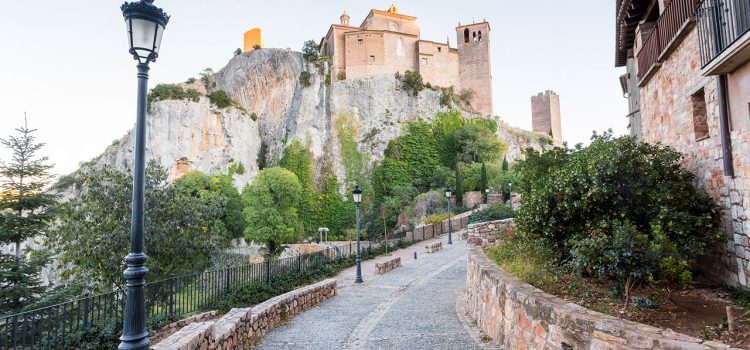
column 252, row 38
column 545, row 114
column 474, row 65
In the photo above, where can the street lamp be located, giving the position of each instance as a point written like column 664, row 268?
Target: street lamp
column 486, row 195
column 448, row 194
column 357, row 193
column 145, row 24
column 510, row 193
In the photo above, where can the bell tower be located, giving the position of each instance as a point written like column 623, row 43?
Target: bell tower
column 474, row 64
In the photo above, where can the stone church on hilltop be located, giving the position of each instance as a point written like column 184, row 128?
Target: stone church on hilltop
column 388, row 42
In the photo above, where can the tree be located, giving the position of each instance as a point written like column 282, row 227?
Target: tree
column 478, row 142
column 297, row 159
column 310, row 50
column 24, row 213
column 206, row 77
column 238, row 52
column 219, row 193
column 484, row 181
column 271, row 203
column 459, row 191
column 92, row 234
column 336, row 214
column 413, row 82
column 505, row 164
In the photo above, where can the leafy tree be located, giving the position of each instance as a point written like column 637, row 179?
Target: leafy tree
column 310, row 50
column 219, row 193
column 336, row 214
column 478, row 142
column 206, row 77
column 445, row 128
column 92, row 234
column 297, row 159
column 271, row 202
column 417, row 148
column 25, row 211
column 618, row 208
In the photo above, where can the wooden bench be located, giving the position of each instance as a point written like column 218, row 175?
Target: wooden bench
column 384, row 266
column 431, row 248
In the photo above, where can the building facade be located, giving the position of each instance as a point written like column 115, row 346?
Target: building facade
column 388, row 42
column 545, row 115
column 688, row 86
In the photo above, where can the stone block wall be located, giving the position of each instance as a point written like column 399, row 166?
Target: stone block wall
column 515, row 315
column 668, row 102
column 487, row 233
column 381, row 267
column 243, row 328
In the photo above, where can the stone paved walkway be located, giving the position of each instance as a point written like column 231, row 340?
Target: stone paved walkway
column 411, row 307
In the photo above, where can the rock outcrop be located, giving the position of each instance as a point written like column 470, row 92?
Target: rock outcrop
column 265, row 83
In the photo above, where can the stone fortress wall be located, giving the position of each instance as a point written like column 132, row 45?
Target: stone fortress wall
column 545, row 114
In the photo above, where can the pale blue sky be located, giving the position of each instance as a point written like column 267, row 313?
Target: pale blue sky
column 66, row 62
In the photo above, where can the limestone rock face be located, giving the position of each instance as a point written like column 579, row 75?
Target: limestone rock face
column 184, row 135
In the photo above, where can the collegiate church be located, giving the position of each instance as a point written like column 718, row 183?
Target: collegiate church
column 388, row 42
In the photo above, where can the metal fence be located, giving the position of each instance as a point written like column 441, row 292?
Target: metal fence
column 52, row 326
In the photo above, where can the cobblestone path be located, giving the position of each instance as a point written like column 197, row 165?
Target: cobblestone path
column 411, row 307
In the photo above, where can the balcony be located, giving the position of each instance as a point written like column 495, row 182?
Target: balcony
column 670, row 28
column 724, row 32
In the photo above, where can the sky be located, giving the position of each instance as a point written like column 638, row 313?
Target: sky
column 65, row 64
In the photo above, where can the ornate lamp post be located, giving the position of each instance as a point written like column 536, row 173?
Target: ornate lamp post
column 487, row 195
column 357, row 193
column 145, row 24
column 510, row 193
column 448, row 194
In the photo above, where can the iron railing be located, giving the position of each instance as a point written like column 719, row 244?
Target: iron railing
column 720, row 24
column 666, row 29
column 52, row 326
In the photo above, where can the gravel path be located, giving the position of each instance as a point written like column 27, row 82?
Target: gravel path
column 411, row 307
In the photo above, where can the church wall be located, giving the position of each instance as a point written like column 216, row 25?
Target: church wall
column 365, row 54
column 390, row 22
column 438, row 64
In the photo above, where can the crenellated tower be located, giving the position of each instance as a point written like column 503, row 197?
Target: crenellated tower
column 474, row 65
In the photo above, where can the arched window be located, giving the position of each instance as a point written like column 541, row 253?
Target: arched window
column 474, row 36
column 466, row 35
column 399, row 47
column 393, row 26
column 480, row 36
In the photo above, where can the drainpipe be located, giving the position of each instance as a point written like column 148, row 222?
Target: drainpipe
column 726, row 141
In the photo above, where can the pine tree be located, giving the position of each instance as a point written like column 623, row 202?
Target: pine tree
column 24, row 213
column 484, row 182
column 459, row 186
column 505, row 164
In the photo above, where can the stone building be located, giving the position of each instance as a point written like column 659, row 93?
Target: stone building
column 688, row 84
column 545, row 115
column 388, row 42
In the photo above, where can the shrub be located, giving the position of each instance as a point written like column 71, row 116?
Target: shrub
column 341, row 75
column 304, row 78
column 257, row 47
column 193, row 95
column 310, row 50
column 435, row 218
column 220, row 98
column 328, row 79
column 254, row 116
column 494, row 212
column 413, row 82
column 616, row 199
column 237, row 52
column 166, row 92
column 206, row 77
column 190, row 80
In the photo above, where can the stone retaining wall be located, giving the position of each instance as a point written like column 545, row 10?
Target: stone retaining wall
column 432, row 248
column 384, row 266
column 516, row 315
column 486, row 233
column 243, row 328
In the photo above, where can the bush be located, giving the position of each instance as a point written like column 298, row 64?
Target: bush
column 164, row 92
column 257, row 47
column 493, row 213
column 237, row 52
column 341, row 75
column 220, row 98
column 310, row 50
column 328, row 79
column 193, row 95
column 413, row 82
column 618, row 208
column 304, row 78
column 254, row 116
column 435, row 219
column 190, row 80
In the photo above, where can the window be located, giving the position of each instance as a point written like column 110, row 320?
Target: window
column 393, row 26
column 466, row 35
column 474, row 36
column 399, row 47
column 424, row 61
column 360, row 41
column 700, row 120
column 372, row 58
column 440, row 49
column 479, row 38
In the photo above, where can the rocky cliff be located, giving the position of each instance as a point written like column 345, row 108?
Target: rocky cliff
column 264, row 84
